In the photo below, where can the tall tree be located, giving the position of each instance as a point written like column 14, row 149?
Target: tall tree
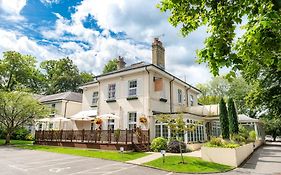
column 63, row 75
column 110, row 66
column 256, row 54
column 232, row 116
column 224, row 120
column 19, row 72
column 18, row 109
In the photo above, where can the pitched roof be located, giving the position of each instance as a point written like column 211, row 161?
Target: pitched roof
column 70, row 96
column 137, row 66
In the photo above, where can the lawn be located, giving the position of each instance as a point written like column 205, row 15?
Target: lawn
column 16, row 142
column 109, row 155
column 193, row 165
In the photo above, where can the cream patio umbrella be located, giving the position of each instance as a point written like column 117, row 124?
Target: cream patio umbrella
column 60, row 120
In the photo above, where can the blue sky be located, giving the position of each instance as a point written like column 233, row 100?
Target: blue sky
column 91, row 32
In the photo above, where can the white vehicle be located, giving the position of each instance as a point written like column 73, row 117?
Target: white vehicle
column 269, row 138
column 278, row 139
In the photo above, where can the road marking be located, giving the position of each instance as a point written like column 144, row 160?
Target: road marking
column 125, row 168
column 97, row 168
column 61, row 163
column 18, row 168
column 57, row 170
column 52, row 160
column 169, row 173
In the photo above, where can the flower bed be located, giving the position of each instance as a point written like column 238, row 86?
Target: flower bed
column 227, row 156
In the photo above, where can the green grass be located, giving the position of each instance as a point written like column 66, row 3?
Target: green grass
column 16, row 142
column 109, row 155
column 192, row 165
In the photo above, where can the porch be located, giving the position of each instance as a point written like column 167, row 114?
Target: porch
column 137, row 140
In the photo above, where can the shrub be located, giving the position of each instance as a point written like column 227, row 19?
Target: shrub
column 238, row 138
column 252, row 135
column 29, row 137
column 174, row 146
column 158, row 144
column 117, row 133
column 219, row 142
column 244, row 132
column 20, row 134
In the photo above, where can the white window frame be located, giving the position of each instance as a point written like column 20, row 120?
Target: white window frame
column 111, row 91
column 95, row 98
column 132, row 88
column 179, row 96
column 111, row 122
column 161, row 125
column 191, row 100
column 130, row 122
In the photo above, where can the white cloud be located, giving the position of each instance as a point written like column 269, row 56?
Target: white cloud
column 15, row 41
column 10, row 9
column 50, row 2
column 141, row 21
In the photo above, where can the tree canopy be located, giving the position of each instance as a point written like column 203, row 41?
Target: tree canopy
column 19, row 109
column 255, row 54
column 110, row 66
column 63, row 75
column 18, row 72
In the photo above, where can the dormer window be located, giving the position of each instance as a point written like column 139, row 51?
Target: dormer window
column 111, row 91
column 133, row 84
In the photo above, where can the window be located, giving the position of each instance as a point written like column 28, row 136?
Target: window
column 191, row 100
column 216, row 129
column 179, row 96
column 111, row 125
column 197, row 134
column 111, row 91
column 161, row 129
column 133, row 88
column 92, row 126
column 51, row 125
column 95, row 98
column 40, row 127
column 132, row 120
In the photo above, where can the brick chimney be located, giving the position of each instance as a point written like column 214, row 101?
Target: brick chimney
column 120, row 63
column 158, row 53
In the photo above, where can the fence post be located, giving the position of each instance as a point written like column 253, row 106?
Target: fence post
column 52, row 135
column 43, row 135
column 83, row 134
column 109, row 136
column 61, row 134
column 132, row 136
column 126, row 136
column 148, row 135
column 96, row 135
column 71, row 136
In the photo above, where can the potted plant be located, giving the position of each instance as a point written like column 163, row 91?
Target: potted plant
column 143, row 120
column 98, row 121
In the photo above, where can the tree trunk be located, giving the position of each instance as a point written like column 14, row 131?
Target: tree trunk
column 8, row 138
column 182, row 159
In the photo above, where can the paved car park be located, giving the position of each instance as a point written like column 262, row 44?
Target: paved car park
column 14, row 161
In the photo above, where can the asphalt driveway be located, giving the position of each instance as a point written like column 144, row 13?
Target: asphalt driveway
column 266, row 160
column 15, row 161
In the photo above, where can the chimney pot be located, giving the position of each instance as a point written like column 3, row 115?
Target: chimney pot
column 158, row 53
column 120, row 63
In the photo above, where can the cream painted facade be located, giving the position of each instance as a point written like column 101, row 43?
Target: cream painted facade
column 175, row 96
